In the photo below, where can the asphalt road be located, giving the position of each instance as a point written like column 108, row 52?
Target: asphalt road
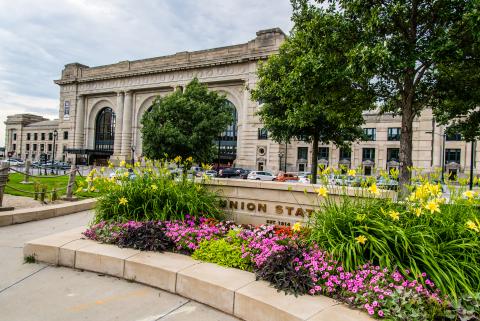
column 39, row 292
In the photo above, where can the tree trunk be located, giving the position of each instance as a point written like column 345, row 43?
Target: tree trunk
column 406, row 144
column 314, row 159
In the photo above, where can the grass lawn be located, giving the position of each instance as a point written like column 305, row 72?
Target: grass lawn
column 14, row 180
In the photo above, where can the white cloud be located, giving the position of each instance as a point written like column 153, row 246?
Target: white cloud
column 37, row 38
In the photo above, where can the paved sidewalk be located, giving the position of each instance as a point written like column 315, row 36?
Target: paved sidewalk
column 38, row 292
column 20, row 202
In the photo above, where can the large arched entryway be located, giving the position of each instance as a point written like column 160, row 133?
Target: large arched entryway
column 104, row 136
column 227, row 142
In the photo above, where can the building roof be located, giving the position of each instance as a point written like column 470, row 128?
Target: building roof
column 45, row 123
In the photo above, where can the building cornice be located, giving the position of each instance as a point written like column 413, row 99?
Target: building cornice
column 185, row 66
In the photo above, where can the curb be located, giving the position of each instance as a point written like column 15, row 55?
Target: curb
column 44, row 212
column 229, row 290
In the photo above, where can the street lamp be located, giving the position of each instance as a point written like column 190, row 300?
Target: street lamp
column 472, row 156
column 55, row 135
column 444, row 135
column 133, row 155
column 280, row 157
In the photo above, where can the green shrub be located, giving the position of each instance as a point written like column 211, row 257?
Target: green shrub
column 154, row 196
column 226, row 251
column 356, row 231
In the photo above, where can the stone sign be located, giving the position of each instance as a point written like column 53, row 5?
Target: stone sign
column 257, row 202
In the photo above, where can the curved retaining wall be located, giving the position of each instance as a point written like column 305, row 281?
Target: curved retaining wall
column 230, row 290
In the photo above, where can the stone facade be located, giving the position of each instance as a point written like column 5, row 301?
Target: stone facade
column 128, row 88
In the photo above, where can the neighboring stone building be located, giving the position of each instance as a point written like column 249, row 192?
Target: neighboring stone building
column 101, row 108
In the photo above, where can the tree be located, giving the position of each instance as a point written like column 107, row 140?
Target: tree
column 307, row 90
column 400, row 44
column 186, row 123
column 457, row 98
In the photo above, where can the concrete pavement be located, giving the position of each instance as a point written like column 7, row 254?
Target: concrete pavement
column 38, row 292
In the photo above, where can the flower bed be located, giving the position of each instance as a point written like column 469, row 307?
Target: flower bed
column 283, row 257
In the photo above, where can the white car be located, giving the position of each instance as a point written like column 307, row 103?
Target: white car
column 15, row 162
column 261, row 176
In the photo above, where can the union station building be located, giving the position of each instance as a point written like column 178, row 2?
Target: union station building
column 100, row 109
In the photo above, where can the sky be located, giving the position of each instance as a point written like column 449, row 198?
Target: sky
column 38, row 37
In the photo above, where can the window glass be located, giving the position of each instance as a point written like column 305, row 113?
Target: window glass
column 368, row 154
column 370, row 133
column 393, row 133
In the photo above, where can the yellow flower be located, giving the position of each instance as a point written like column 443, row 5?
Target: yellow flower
column 297, row 227
column 122, row 201
column 177, row 159
column 125, row 174
column 361, row 239
column 92, row 189
column 110, row 165
column 432, row 206
column 469, row 194
column 122, row 163
column 79, row 190
column 137, row 164
column 352, row 172
column 88, row 179
column 154, row 187
column 322, row 191
column 394, row 215
column 374, row 190
column 418, row 211
column 471, row 225
column 189, row 159
column 102, row 169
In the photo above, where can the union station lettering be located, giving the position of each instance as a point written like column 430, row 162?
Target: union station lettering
column 260, row 207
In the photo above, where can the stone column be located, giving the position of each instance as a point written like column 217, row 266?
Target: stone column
column 80, row 122
column 117, row 144
column 127, row 126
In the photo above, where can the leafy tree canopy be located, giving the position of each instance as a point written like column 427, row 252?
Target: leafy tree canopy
column 308, row 93
column 186, row 123
column 410, row 53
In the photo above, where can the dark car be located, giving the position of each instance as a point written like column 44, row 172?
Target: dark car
column 230, row 172
column 244, row 173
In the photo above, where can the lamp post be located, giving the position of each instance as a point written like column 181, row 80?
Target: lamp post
column 133, row 155
column 472, row 156
column 280, row 157
column 55, row 135
column 444, row 136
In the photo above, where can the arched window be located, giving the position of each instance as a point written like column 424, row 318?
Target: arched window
column 227, row 143
column 105, row 130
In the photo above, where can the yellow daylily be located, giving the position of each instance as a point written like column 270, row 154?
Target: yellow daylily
column 322, row 191
column 79, row 190
column 102, row 169
column 189, row 159
column 472, row 226
column 92, row 189
column 361, row 239
column 469, row 194
column 374, row 189
column 394, row 215
column 154, row 187
column 297, row 227
column 122, row 163
column 432, row 206
column 418, row 211
column 351, row 172
column 122, row 201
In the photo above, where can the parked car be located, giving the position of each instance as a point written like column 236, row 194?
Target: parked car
column 230, row 172
column 387, row 183
column 304, row 177
column 211, row 173
column 261, row 176
column 15, row 162
column 121, row 173
column 244, row 173
column 286, row 177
